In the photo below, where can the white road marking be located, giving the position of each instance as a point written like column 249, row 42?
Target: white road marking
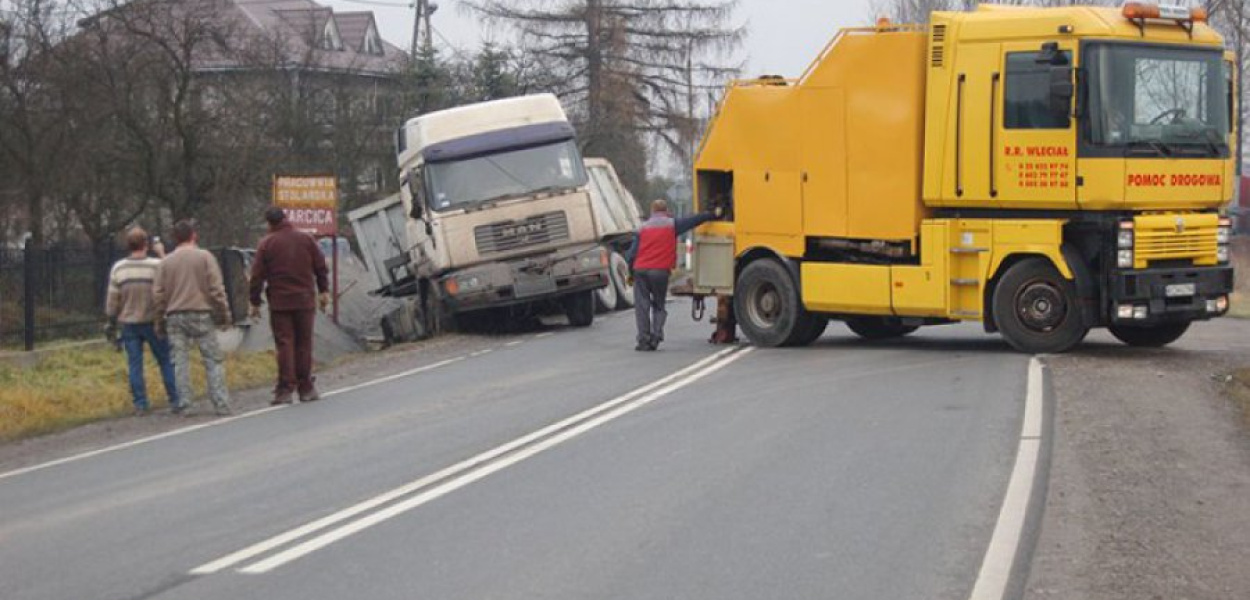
column 138, row 442
column 453, row 470
column 514, row 343
column 481, row 353
column 408, row 373
column 995, row 572
column 397, row 509
column 192, row 428
column 543, row 335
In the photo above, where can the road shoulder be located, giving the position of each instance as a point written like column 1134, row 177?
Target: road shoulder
column 351, row 371
column 1150, row 471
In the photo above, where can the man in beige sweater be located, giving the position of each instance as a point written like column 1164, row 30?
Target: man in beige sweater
column 189, row 293
column 129, row 304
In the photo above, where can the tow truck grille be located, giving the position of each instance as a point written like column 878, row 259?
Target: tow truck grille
column 506, row 236
column 1175, row 237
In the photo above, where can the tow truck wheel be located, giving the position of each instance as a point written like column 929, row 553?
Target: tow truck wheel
column 815, row 328
column 1149, row 337
column 1036, row 308
column 878, row 328
column 620, row 278
column 580, row 308
column 766, row 301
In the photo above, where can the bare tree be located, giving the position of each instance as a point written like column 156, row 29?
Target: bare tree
column 628, row 68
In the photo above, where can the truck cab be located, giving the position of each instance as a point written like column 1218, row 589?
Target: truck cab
column 498, row 212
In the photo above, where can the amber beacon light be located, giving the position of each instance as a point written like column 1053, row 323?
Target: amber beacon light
column 1142, row 10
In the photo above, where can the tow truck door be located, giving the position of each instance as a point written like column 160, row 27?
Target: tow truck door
column 1034, row 154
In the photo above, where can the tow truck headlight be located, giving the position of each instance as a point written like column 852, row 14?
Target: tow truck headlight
column 1141, row 313
column 1124, row 259
column 1124, row 311
column 1217, row 305
column 1221, row 253
column 1124, row 239
column 1224, row 234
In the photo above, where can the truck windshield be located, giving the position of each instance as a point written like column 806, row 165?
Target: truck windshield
column 1158, row 101
column 509, row 174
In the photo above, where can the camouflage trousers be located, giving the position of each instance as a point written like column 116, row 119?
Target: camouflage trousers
column 192, row 328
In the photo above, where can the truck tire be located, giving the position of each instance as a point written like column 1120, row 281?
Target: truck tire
column 878, row 328
column 606, row 297
column 580, row 308
column 1149, row 337
column 768, row 307
column 815, row 328
column 619, row 270
column 1036, row 309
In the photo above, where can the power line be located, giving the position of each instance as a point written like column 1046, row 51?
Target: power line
column 454, row 49
column 385, row 4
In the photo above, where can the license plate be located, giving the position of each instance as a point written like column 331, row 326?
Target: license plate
column 1181, row 290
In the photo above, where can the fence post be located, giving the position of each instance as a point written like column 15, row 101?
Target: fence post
column 28, row 294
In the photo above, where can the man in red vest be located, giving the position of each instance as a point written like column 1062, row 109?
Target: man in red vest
column 652, row 257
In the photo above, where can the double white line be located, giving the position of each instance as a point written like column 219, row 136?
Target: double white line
column 356, row 518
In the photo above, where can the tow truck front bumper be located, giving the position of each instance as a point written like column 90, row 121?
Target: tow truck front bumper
column 1169, row 295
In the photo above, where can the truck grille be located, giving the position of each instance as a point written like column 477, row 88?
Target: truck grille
column 1175, row 237
column 506, row 236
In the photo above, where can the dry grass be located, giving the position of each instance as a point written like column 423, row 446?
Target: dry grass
column 77, row 385
column 1239, row 302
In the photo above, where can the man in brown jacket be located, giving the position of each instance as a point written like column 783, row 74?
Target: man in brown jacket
column 189, row 294
column 290, row 264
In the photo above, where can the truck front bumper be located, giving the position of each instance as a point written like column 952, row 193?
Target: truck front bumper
column 530, row 279
column 1169, row 295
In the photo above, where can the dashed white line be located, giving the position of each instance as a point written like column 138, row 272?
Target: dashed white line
column 995, row 573
column 514, row 343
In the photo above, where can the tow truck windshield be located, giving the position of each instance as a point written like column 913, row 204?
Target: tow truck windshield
column 473, row 181
column 1153, row 100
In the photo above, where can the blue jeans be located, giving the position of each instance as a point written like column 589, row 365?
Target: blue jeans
column 133, row 337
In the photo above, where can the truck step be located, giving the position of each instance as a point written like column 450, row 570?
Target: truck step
column 963, row 250
column 966, row 282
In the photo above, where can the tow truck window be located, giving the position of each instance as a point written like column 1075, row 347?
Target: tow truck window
column 1158, row 100
column 1026, row 94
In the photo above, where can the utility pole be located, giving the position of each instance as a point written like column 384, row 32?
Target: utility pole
column 422, row 31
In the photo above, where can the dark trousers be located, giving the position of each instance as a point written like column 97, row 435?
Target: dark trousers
column 293, row 339
column 650, row 294
column 134, row 336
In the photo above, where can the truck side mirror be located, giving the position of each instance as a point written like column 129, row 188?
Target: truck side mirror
column 1061, row 90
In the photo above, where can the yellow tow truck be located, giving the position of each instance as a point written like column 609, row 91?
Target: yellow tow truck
column 1041, row 170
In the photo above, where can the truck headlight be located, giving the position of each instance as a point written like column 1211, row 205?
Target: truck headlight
column 1221, row 253
column 1224, row 234
column 1124, row 259
column 1124, row 239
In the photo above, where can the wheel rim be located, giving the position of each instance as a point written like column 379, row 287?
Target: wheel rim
column 1041, row 306
column 764, row 305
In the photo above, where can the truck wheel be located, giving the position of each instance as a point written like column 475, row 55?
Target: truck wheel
column 606, row 298
column 1036, row 309
column 878, row 328
column 1149, row 337
column 767, row 304
column 816, row 326
column 619, row 270
column 580, row 308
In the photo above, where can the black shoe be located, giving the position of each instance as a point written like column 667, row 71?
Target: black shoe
column 641, row 347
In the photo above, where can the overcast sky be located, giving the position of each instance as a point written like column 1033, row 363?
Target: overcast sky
column 784, row 35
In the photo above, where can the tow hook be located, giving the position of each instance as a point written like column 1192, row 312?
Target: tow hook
column 697, row 308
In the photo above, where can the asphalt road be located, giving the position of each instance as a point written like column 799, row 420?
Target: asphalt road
column 845, row 470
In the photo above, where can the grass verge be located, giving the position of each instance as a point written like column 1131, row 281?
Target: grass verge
column 77, row 385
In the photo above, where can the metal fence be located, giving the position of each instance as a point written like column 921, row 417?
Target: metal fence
column 58, row 293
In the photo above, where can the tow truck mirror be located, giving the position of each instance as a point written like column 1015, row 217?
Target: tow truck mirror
column 1061, row 90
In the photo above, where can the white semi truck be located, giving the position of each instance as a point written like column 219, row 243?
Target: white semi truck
column 495, row 212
